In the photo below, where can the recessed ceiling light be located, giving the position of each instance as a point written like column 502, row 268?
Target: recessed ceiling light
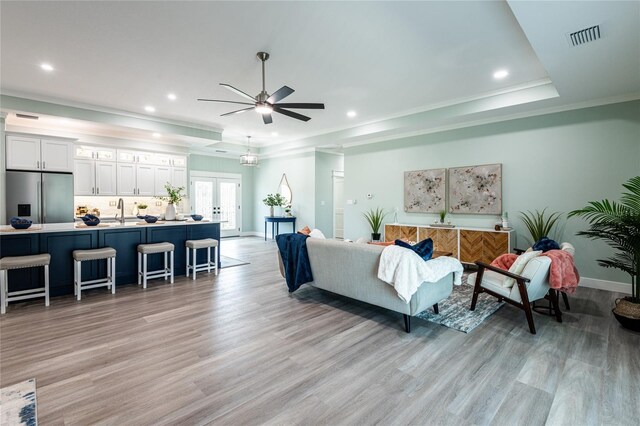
column 149, row 108
column 500, row 74
column 274, row 133
column 351, row 114
column 47, row 67
column 172, row 96
column 156, row 135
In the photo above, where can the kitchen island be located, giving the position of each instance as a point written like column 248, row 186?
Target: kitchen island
column 60, row 239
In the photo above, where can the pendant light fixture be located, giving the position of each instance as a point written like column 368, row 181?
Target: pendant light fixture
column 249, row 159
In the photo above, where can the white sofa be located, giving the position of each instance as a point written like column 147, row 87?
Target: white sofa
column 351, row 269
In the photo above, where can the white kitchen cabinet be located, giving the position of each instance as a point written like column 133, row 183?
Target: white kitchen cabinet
column 84, row 177
column 179, row 177
column 179, row 161
column 56, row 155
column 126, row 179
column 162, row 177
column 94, row 153
column 125, row 156
column 105, row 178
column 145, row 179
column 29, row 153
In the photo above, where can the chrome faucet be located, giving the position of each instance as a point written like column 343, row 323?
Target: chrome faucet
column 121, row 207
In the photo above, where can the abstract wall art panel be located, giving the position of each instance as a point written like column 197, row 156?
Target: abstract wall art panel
column 425, row 191
column 476, row 189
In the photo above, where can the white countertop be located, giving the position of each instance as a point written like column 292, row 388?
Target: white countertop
column 70, row 227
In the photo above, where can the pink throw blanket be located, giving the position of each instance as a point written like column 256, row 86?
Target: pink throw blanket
column 563, row 274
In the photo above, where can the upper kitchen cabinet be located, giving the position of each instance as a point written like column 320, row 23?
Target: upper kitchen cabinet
column 179, row 177
column 31, row 153
column 178, row 161
column 94, row 153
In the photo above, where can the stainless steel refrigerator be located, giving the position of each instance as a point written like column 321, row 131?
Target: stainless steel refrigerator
column 41, row 197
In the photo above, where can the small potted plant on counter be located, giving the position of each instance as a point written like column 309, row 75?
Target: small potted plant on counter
column 173, row 197
column 375, row 217
column 142, row 209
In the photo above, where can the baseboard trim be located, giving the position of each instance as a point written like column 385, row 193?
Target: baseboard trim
column 605, row 285
column 252, row 234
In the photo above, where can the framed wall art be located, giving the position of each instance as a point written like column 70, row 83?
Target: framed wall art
column 476, row 189
column 425, row 191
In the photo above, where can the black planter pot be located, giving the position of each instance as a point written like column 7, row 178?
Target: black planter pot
column 375, row 237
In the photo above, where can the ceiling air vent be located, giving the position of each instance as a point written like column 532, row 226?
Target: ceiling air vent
column 584, row 36
column 221, row 150
column 28, row 117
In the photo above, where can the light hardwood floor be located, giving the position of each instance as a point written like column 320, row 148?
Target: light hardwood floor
column 239, row 349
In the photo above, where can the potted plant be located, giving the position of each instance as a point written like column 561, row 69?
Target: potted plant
column 142, row 209
column 618, row 224
column 173, row 197
column 538, row 224
column 274, row 200
column 443, row 215
column 375, row 217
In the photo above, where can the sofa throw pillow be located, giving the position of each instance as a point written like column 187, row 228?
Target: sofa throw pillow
column 305, row 231
column 424, row 248
column 381, row 243
column 569, row 248
column 316, row 233
column 546, row 244
column 518, row 266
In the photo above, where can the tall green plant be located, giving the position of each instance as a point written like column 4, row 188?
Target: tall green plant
column 538, row 224
column 618, row 224
column 375, row 217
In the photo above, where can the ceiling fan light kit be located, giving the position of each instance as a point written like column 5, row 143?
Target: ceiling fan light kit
column 264, row 104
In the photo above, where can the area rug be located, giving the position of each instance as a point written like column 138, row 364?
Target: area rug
column 18, row 404
column 228, row 262
column 455, row 313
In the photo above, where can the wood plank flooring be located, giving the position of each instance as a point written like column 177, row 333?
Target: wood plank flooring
column 238, row 349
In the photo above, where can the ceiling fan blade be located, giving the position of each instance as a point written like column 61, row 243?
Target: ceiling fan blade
column 236, row 112
column 302, row 106
column 238, row 91
column 267, row 118
column 291, row 113
column 281, row 93
column 226, row 102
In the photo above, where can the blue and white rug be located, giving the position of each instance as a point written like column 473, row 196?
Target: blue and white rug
column 455, row 313
column 18, row 404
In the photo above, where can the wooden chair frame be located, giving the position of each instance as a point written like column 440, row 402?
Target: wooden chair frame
column 521, row 282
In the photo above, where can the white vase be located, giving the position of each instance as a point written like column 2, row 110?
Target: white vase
column 271, row 211
column 170, row 212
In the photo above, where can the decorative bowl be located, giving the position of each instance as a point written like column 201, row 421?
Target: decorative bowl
column 90, row 219
column 19, row 223
column 197, row 217
column 150, row 219
column 142, row 216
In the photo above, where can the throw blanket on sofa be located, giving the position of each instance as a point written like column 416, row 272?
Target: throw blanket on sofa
column 405, row 270
column 295, row 259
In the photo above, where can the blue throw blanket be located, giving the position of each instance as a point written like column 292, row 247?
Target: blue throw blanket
column 293, row 251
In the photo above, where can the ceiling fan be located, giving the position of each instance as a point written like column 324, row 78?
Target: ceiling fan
column 264, row 103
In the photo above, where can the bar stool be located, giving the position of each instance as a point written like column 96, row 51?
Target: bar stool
column 143, row 251
column 19, row 262
column 79, row 256
column 206, row 243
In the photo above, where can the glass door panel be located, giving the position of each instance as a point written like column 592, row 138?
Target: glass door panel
column 227, row 196
column 203, row 197
column 218, row 199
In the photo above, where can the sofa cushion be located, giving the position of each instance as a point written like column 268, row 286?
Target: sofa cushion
column 424, row 248
column 492, row 281
column 316, row 233
column 519, row 265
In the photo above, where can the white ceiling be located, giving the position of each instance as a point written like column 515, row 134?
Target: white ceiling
column 385, row 60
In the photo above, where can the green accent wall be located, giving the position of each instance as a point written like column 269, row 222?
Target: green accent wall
column 3, row 168
column 205, row 163
column 559, row 161
column 326, row 164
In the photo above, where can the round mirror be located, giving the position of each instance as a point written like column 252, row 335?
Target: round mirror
column 284, row 189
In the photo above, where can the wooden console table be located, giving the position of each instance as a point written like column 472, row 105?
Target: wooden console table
column 467, row 244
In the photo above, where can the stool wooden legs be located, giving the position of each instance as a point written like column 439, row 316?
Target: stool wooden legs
column 193, row 265
column 23, row 294
column 109, row 281
column 144, row 274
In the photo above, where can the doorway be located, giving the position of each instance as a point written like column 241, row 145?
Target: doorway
column 338, row 205
column 218, row 196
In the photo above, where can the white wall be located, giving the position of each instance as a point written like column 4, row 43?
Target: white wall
column 560, row 161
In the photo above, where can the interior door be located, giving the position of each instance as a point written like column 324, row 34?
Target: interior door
column 218, row 199
column 338, row 206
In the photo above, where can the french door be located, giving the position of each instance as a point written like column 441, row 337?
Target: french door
column 218, row 198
